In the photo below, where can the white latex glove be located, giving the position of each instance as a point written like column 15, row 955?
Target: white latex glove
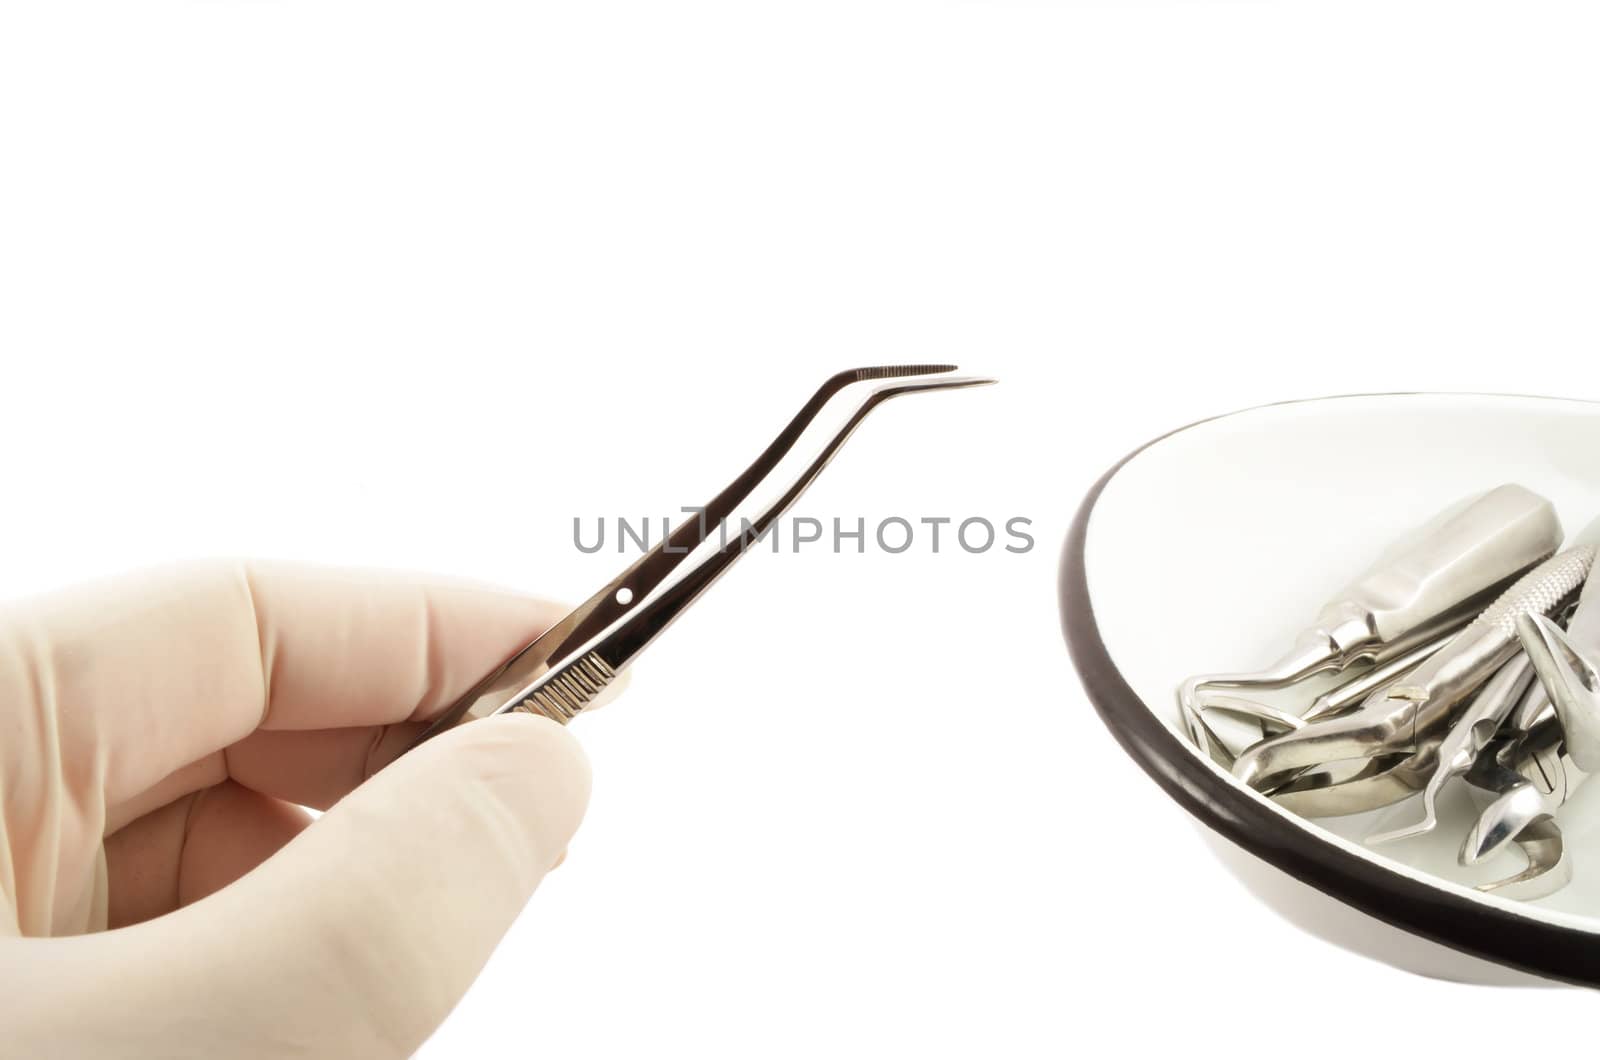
column 158, row 736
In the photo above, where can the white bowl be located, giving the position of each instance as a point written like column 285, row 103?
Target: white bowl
column 1210, row 547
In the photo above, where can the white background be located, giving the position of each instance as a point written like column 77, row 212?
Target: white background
column 413, row 284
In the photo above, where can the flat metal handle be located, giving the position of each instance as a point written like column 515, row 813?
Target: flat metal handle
column 1455, row 562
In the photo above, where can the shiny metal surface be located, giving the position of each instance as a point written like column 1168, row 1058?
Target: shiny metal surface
column 1336, row 700
column 1566, row 664
column 1549, row 865
column 1342, row 788
column 1468, row 736
column 1348, row 788
column 1522, row 780
column 1438, row 578
column 1399, row 718
column 1351, row 693
column 1509, row 741
column 1548, row 747
column 561, row 672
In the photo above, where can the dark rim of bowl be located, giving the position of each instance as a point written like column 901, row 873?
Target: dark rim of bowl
column 1521, row 942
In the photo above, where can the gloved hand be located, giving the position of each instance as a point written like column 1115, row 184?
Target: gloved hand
column 158, row 736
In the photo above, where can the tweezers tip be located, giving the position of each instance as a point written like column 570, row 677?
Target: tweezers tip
column 902, row 371
column 959, row 383
column 895, row 371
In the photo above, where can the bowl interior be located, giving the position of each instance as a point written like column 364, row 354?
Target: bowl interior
column 1212, row 547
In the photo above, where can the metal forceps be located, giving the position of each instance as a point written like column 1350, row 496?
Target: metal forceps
column 563, row 670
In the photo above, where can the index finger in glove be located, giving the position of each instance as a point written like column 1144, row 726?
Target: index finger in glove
column 143, row 680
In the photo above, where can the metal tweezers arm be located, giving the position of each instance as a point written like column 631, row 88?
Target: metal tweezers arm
column 562, row 671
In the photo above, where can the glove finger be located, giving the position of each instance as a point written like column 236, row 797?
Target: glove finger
column 145, row 675
column 318, row 767
column 355, row 939
column 193, row 847
column 308, row 767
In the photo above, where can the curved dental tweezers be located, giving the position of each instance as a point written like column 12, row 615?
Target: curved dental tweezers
column 563, row 670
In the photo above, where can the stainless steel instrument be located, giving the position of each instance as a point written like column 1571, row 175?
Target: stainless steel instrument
column 1505, row 697
column 565, row 669
column 1400, row 718
column 1524, row 780
column 1433, row 583
column 1566, row 664
column 1547, row 748
column 1468, row 736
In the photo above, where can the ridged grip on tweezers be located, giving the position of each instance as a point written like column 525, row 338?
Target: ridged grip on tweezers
column 564, row 696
